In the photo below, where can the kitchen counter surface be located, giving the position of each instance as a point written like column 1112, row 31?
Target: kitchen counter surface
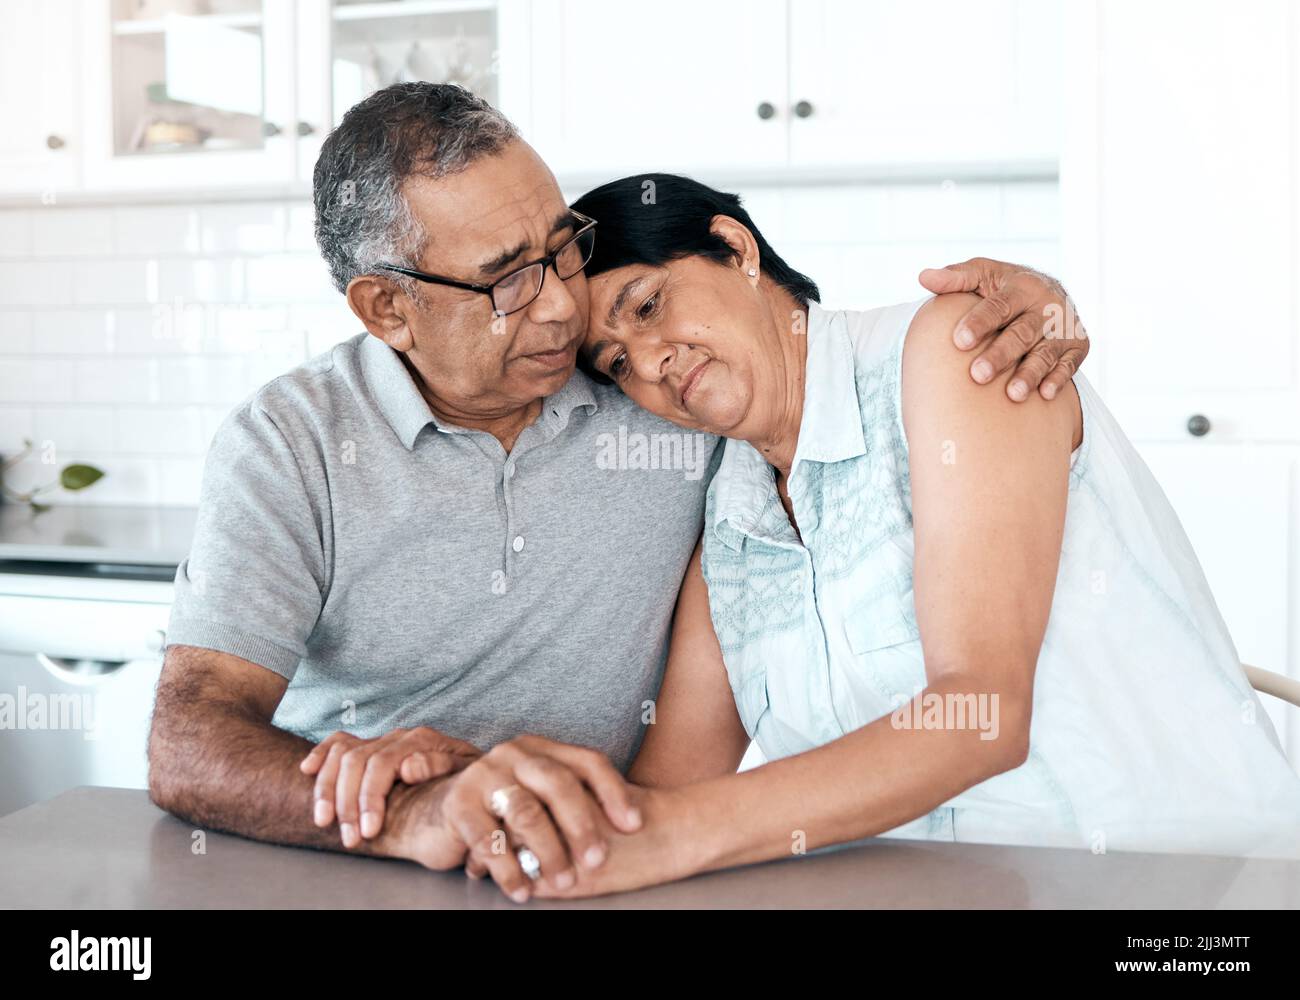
column 112, row 848
column 153, row 536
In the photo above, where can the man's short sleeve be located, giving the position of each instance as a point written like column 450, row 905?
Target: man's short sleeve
column 254, row 580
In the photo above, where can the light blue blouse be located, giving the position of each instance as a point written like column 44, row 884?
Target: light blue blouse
column 1145, row 734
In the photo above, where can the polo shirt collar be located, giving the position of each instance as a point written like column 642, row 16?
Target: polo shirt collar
column 407, row 413
column 578, row 391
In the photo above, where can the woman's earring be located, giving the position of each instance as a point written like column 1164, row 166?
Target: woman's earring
column 752, row 272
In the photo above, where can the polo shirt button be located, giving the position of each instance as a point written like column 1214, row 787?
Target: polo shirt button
column 518, row 543
column 510, row 471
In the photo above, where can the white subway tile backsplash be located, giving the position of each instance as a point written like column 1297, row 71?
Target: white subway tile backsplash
column 15, row 235
column 255, row 228
column 37, row 380
column 15, row 427
column 128, row 332
column 301, row 234
column 184, row 282
column 834, row 215
column 72, row 331
column 1031, row 211
column 944, row 211
column 15, row 332
column 246, row 329
column 288, row 278
column 35, row 284
column 160, row 430
column 203, row 380
column 117, row 380
column 115, row 282
column 73, row 430
column 165, row 328
column 72, row 232
column 151, row 230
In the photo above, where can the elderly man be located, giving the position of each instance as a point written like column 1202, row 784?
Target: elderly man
column 409, row 542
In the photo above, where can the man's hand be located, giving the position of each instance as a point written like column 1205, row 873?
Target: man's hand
column 1036, row 319
column 550, row 797
column 417, row 830
column 355, row 775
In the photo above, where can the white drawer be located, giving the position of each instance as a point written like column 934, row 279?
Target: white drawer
column 98, row 630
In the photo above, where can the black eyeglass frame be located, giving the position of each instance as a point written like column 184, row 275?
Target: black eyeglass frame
column 548, row 263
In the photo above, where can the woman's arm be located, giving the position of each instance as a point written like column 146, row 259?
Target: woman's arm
column 697, row 733
column 989, row 486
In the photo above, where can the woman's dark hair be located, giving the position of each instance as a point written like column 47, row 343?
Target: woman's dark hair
column 656, row 218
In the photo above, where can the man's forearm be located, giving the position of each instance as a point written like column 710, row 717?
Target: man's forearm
column 219, row 767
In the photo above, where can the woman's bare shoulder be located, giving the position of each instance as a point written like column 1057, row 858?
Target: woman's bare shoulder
column 936, row 374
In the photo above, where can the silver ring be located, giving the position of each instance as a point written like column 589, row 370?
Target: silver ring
column 499, row 803
column 529, row 863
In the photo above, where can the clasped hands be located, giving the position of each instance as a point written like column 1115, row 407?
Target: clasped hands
column 427, row 797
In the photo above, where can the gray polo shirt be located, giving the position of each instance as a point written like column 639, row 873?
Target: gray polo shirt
column 401, row 571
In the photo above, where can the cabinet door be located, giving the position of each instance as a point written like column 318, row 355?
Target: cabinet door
column 875, row 82
column 183, row 94
column 349, row 50
column 71, row 729
column 1235, row 503
column 39, row 138
column 676, row 85
column 1186, row 203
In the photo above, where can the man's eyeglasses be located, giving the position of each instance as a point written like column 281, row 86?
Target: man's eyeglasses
column 518, row 289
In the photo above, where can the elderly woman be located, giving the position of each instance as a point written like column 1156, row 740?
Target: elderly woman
column 939, row 614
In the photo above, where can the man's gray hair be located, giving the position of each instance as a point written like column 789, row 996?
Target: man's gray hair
column 425, row 129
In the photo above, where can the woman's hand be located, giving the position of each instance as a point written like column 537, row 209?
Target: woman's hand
column 562, row 802
column 355, row 775
column 1032, row 316
column 665, row 849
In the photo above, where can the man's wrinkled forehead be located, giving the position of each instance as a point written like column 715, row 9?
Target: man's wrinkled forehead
column 490, row 215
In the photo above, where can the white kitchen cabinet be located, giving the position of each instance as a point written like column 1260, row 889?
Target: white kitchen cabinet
column 831, row 86
column 348, row 50
column 925, row 82
column 676, row 85
column 181, row 96
column 80, row 657
column 1181, row 213
column 40, row 138
column 180, row 99
column 1181, row 244
column 203, row 95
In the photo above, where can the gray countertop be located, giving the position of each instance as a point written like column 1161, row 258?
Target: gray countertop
column 112, row 848
column 154, row 536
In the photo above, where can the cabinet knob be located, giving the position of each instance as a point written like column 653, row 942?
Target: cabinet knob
column 270, row 129
column 1198, row 425
column 306, row 128
column 803, row 109
column 55, row 141
column 766, row 110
